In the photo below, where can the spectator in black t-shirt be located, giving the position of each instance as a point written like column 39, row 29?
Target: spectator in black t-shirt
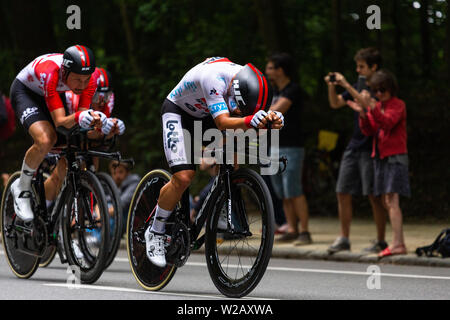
column 356, row 169
column 288, row 185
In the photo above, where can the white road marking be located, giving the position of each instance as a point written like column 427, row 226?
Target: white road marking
column 105, row 288
column 356, row 273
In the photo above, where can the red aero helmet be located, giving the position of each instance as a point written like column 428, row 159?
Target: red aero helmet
column 252, row 91
column 79, row 59
column 104, row 81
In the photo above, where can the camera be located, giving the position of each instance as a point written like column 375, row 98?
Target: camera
column 332, row 78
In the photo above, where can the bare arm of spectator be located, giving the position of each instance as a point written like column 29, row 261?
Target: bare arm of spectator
column 358, row 97
column 282, row 105
column 336, row 100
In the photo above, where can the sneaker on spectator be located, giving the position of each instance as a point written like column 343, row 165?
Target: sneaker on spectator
column 376, row 247
column 282, row 229
column 303, row 238
column 340, row 244
column 287, row 237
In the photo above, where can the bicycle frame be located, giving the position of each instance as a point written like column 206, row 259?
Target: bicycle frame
column 223, row 178
column 73, row 154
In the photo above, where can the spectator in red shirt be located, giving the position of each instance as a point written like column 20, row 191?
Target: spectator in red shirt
column 7, row 128
column 385, row 120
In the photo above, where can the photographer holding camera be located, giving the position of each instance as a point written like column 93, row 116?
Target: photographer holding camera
column 356, row 175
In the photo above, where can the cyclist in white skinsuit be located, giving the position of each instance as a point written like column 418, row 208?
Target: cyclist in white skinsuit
column 203, row 91
column 209, row 92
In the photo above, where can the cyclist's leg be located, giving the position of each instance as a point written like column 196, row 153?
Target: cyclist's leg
column 172, row 192
column 54, row 182
column 44, row 137
column 174, row 120
column 32, row 111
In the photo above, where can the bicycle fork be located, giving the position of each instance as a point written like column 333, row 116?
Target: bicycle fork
column 240, row 224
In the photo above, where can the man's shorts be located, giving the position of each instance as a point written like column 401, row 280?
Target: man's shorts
column 288, row 184
column 355, row 173
column 179, row 144
column 30, row 107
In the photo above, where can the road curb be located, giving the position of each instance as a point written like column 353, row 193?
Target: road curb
column 285, row 252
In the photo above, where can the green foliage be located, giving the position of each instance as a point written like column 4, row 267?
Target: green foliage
column 149, row 45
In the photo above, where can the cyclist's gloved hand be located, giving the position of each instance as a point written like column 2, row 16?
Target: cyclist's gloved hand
column 257, row 118
column 103, row 118
column 121, row 126
column 279, row 115
column 106, row 129
column 84, row 119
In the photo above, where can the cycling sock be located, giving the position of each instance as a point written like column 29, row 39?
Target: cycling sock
column 25, row 177
column 159, row 224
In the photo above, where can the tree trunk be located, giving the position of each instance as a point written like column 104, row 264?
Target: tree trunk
column 337, row 38
column 272, row 26
column 447, row 40
column 398, row 38
column 129, row 38
column 425, row 38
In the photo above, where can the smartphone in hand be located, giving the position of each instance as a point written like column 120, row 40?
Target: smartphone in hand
column 362, row 84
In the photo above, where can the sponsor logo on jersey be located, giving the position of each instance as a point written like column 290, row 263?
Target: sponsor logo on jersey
column 233, row 105
column 28, row 113
column 172, row 135
column 237, row 92
column 215, row 108
column 42, row 77
column 213, row 92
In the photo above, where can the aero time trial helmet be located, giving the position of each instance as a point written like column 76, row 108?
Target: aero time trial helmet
column 252, row 91
column 78, row 59
column 104, row 86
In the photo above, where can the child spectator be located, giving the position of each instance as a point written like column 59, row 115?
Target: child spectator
column 385, row 120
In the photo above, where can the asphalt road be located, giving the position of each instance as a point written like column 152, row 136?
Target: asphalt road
column 284, row 279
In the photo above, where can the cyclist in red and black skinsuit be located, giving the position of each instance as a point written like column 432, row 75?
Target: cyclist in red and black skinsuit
column 36, row 102
column 103, row 101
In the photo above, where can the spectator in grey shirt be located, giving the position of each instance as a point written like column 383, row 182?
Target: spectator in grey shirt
column 127, row 183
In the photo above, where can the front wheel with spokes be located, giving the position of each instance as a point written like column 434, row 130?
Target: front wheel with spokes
column 237, row 256
column 85, row 227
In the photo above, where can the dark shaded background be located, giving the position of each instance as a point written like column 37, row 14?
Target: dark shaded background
column 149, row 45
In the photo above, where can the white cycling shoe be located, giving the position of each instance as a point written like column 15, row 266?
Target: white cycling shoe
column 22, row 202
column 155, row 244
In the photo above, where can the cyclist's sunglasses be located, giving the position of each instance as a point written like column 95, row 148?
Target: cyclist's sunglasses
column 101, row 97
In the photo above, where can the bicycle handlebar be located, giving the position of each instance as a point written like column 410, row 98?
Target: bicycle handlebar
column 77, row 130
